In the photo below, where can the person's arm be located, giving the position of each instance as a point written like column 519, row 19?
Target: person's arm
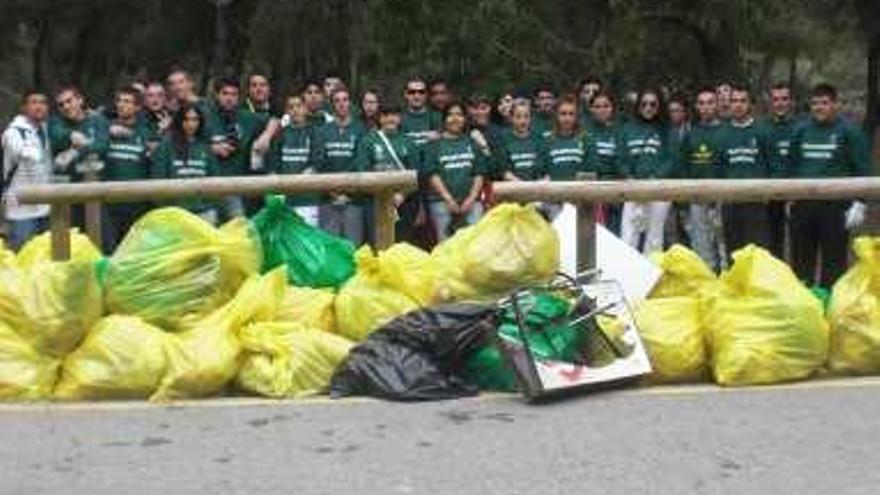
column 274, row 164
column 440, row 188
column 269, row 129
column 859, row 153
column 100, row 142
column 363, row 156
column 161, row 161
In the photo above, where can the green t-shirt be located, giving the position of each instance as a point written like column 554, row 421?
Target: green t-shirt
column 94, row 126
column 457, row 161
column 645, row 154
column 603, row 145
column 193, row 161
column 699, row 150
column 566, row 156
column 127, row 157
column 524, row 155
column 542, row 124
column 744, row 151
column 835, row 149
column 781, row 131
column 417, row 125
column 373, row 154
column 291, row 153
column 240, row 127
column 335, row 146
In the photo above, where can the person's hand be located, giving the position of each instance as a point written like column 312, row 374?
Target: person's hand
column 119, row 131
column 65, row 158
column 165, row 122
column 432, row 135
column 453, row 207
column 467, row 205
column 79, row 140
column 480, row 139
column 340, row 199
column 398, row 200
column 262, row 143
column 223, row 150
column 855, row 215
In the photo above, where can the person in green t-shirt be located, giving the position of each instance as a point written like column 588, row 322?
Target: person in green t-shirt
column 566, row 148
column 699, row 148
column 826, row 146
column 545, row 102
column 79, row 139
column 236, row 136
column 781, row 123
column 456, row 168
column 368, row 114
column 259, row 95
column 744, row 153
column 603, row 143
column 334, row 152
column 645, row 156
column 127, row 159
column 523, row 149
column 291, row 154
column 186, row 154
column 313, row 96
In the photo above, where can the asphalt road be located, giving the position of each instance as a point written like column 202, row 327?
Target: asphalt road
column 820, row 438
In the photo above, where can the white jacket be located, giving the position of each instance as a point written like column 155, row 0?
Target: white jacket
column 22, row 145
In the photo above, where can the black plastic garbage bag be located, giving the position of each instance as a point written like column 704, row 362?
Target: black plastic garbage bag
column 418, row 356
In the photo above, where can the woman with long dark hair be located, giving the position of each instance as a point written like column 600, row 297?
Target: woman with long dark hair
column 644, row 156
column 186, row 154
column 369, row 110
column 456, row 167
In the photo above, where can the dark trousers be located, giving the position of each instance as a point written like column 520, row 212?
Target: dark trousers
column 118, row 219
column 818, row 233
column 744, row 224
column 778, row 228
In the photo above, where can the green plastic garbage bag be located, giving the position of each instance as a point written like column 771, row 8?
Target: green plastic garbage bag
column 313, row 257
column 550, row 338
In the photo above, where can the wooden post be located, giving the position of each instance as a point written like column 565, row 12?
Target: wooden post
column 586, row 229
column 385, row 216
column 93, row 213
column 59, row 220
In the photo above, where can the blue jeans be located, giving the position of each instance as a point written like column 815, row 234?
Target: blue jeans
column 21, row 231
column 443, row 219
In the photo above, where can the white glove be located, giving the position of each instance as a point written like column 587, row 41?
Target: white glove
column 855, row 215
column 65, row 158
column 91, row 164
column 257, row 160
column 79, row 140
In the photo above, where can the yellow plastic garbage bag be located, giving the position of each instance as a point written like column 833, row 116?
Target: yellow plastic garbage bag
column 52, row 305
column 7, row 257
column 412, row 272
column 764, row 326
column 311, row 308
column 366, row 301
column 121, row 358
column 39, row 249
column 684, row 273
column 287, row 360
column 512, row 246
column 173, row 268
column 671, row 330
column 854, row 312
column 25, row 374
column 203, row 360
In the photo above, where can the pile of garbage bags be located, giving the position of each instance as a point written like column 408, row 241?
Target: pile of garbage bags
column 274, row 307
column 270, row 306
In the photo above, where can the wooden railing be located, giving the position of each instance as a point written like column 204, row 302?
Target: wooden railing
column 380, row 185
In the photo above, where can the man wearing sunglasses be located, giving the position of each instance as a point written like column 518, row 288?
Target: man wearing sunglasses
column 419, row 123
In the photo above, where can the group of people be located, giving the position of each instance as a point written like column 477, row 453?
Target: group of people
column 165, row 129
